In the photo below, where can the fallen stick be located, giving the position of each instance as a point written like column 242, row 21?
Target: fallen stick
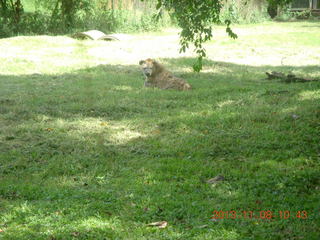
column 288, row 78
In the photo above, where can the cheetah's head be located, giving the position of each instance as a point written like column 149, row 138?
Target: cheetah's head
column 148, row 66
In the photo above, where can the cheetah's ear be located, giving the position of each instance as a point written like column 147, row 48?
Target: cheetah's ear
column 155, row 62
column 141, row 62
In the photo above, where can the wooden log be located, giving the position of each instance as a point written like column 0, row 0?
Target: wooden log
column 288, row 78
column 274, row 75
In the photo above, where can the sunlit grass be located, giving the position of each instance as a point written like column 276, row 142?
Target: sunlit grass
column 310, row 95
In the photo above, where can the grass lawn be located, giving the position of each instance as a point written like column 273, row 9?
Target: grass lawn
column 87, row 153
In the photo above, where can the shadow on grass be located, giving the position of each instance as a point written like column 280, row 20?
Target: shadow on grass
column 94, row 155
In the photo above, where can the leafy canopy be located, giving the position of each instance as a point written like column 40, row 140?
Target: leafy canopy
column 196, row 18
column 280, row 3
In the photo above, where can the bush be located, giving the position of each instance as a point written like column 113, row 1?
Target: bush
column 123, row 21
column 54, row 17
column 244, row 11
column 35, row 23
column 29, row 24
column 5, row 30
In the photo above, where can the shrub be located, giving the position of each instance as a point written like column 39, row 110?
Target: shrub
column 69, row 16
column 244, row 11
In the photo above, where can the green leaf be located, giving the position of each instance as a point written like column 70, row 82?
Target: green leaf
column 197, row 66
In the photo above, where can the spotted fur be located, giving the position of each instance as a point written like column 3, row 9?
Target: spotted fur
column 157, row 76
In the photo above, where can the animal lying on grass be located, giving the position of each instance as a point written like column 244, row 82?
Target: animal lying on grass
column 157, row 76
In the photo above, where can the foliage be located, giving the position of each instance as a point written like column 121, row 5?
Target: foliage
column 10, row 15
column 243, row 11
column 61, row 17
column 122, row 20
column 196, row 19
column 279, row 3
column 273, row 6
column 65, row 13
column 11, row 9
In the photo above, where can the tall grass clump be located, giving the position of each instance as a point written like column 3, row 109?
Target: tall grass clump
column 140, row 17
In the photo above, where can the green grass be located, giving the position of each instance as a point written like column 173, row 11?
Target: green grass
column 87, row 153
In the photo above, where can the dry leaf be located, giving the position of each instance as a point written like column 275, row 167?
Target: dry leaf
column 49, row 129
column 203, row 226
column 161, row 224
column 214, row 220
column 216, row 179
column 204, row 113
column 75, row 234
column 103, row 124
column 156, row 131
